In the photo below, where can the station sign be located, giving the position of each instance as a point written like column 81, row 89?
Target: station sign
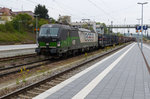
column 138, row 27
column 145, row 27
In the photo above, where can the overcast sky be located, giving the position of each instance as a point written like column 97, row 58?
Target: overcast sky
column 118, row 11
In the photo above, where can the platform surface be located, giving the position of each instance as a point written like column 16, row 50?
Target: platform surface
column 15, row 47
column 15, row 50
column 123, row 75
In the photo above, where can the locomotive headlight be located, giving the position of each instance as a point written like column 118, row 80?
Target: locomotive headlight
column 47, row 44
column 58, row 43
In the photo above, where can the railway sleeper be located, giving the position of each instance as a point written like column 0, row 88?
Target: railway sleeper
column 70, row 73
column 51, row 83
column 21, row 96
column 40, row 89
column 32, row 93
column 59, row 79
column 64, row 77
column 45, row 86
column 56, row 82
column 37, row 90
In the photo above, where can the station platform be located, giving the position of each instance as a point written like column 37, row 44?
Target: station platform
column 16, row 47
column 122, row 75
column 16, row 50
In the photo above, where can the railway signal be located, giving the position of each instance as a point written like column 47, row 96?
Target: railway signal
column 37, row 29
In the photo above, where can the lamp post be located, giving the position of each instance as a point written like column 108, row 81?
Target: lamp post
column 142, row 24
column 138, row 30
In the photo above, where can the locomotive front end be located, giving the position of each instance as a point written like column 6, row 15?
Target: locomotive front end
column 48, row 40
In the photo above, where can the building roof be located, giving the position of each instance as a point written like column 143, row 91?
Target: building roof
column 23, row 12
column 5, row 11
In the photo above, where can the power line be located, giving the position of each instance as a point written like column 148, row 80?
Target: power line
column 33, row 2
column 36, row 3
column 101, row 2
column 69, row 7
column 10, row 7
column 100, row 8
column 67, row 10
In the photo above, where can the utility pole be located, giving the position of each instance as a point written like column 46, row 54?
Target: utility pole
column 124, row 24
column 142, row 24
column 19, row 25
column 128, row 32
column 147, row 34
column 36, row 16
column 111, row 26
column 108, row 28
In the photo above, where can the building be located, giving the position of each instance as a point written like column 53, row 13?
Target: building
column 24, row 12
column 64, row 19
column 5, row 15
column 99, row 29
column 84, row 24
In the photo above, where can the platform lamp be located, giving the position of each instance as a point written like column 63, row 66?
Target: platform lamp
column 142, row 23
column 138, row 30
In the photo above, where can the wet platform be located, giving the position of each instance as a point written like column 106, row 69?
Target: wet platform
column 123, row 75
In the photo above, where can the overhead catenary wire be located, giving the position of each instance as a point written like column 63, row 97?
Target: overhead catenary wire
column 70, row 8
column 36, row 3
column 10, row 7
column 106, row 13
column 60, row 11
column 67, row 10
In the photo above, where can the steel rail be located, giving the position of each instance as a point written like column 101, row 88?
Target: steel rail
column 38, row 83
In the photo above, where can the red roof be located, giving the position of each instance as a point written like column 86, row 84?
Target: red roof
column 5, row 11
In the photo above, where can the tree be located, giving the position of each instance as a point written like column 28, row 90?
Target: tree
column 41, row 22
column 85, row 26
column 9, row 27
column 52, row 20
column 105, row 28
column 41, row 11
column 22, row 22
column 98, row 23
column 64, row 19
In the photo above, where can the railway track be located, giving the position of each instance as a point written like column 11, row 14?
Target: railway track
column 15, row 69
column 17, row 57
column 38, row 87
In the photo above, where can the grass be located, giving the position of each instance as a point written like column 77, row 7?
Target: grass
column 12, row 38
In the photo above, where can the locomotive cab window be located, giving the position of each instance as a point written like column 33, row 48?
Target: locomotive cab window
column 46, row 31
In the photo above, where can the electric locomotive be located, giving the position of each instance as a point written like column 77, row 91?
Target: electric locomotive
column 62, row 40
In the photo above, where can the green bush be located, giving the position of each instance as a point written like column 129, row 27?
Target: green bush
column 9, row 27
column 2, row 28
column 40, row 22
column 22, row 22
